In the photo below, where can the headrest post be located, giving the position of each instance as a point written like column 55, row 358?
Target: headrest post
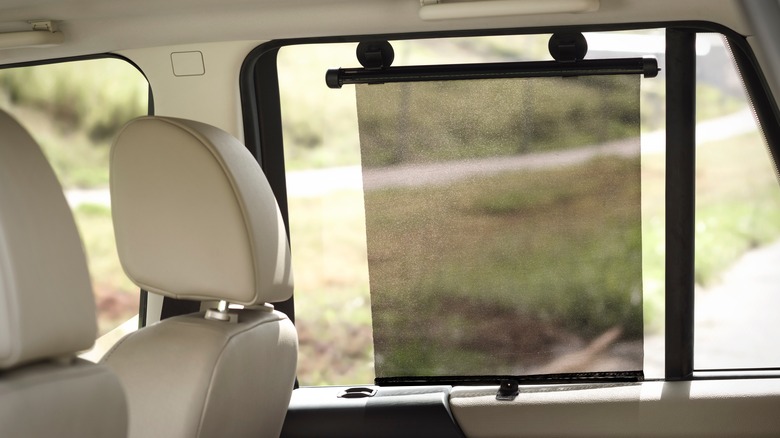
column 220, row 313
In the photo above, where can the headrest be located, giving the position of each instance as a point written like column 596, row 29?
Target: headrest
column 194, row 216
column 46, row 304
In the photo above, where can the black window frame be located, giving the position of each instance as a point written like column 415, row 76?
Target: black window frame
column 261, row 112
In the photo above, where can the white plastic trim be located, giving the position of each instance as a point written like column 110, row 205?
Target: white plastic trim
column 35, row 38
column 499, row 8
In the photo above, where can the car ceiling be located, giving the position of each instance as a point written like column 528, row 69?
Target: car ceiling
column 99, row 26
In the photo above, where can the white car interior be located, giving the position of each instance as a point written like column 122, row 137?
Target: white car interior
column 219, row 365
column 47, row 319
column 196, row 219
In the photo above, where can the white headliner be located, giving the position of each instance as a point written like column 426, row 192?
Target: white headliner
column 98, row 26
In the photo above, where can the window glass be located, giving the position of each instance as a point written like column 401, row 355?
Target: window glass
column 737, row 224
column 73, row 109
column 327, row 218
column 326, row 204
column 503, row 224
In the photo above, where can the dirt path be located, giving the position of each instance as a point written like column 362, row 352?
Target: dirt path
column 737, row 319
column 446, row 172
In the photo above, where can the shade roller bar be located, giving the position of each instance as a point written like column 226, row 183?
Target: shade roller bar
column 336, row 78
column 568, row 49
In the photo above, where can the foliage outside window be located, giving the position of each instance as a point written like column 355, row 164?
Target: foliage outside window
column 73, row 110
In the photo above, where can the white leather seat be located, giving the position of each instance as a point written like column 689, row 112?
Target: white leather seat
column 47, row 312
column 195, row 218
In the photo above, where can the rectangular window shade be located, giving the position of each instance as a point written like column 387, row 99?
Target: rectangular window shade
column 503, row 225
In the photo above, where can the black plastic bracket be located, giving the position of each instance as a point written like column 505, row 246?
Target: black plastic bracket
column 375, row 54
column 508, row 390
column 568, row 46
column 357, row 392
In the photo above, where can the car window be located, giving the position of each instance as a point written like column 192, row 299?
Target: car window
column 73, row 109
column 327, row 219
column 329, row 241
column 327, row 207
column 737, row 225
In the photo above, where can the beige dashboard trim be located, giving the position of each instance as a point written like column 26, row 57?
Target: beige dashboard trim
column 711, row 408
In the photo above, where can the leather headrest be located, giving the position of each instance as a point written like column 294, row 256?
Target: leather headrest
column 46, row 305
column 194, row 216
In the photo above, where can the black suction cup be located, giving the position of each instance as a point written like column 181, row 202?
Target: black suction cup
column 375, row 54
column 568, row 46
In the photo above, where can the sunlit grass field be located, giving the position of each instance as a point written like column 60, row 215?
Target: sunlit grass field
column 115, row 295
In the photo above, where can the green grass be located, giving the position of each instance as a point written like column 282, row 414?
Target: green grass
column 724, row 231
column 73, row 110
column 738, row 203
column 96, row 228
column 404, row 123
column 737, row 209
column 77, row 161
column 116, row 297
column 558, row 248
column 332, row 304
column 94, row 96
